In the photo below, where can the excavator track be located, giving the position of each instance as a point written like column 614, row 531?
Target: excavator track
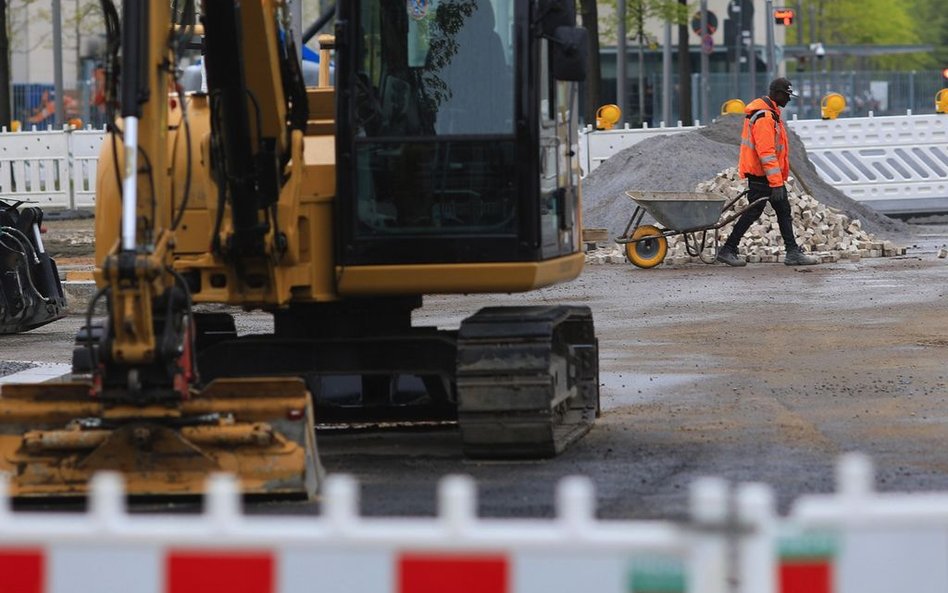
column 527, row 380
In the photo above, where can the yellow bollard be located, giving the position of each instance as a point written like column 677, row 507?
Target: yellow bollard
column 832, row 105
column 607, row 116
column 941, row 101
column 732, row 107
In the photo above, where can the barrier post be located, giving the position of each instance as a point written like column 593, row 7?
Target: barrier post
column 757, row 564
column 708, row 560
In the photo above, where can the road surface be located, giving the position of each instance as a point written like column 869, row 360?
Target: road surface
column 764, row 373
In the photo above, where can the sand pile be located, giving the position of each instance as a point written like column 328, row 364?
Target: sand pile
column 680, row 161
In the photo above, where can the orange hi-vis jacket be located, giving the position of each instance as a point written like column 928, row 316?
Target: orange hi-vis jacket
column 764, row 150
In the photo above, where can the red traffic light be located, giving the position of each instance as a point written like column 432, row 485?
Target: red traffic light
column 944, row 73
column 784, row 16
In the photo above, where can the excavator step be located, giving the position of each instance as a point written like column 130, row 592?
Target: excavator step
column 527, row 380
column 54, row 437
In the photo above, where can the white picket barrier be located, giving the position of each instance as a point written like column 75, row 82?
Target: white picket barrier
column 34, row 166
column 853, row 541
column 110, row 551
column 876, row 542
column 894, row 163
column 53, row 168
column 84, row 148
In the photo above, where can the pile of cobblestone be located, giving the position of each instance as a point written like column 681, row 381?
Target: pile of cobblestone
column 821, row 230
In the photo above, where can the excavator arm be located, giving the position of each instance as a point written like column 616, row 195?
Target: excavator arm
column 136, row 403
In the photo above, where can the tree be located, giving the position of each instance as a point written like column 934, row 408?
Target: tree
column 4, row 68
column 638, row 12
column 931, row 23
column 869, row 22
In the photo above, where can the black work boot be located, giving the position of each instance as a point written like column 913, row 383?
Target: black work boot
column 796, row 257
column 729, row 256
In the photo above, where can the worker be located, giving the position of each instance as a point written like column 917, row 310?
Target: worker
column 765, row 163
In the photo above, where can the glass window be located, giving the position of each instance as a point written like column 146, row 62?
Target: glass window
column 435, row 149
column 436, row 187
column 436, row 67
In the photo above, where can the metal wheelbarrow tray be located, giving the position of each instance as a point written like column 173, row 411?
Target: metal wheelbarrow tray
column 680, row 211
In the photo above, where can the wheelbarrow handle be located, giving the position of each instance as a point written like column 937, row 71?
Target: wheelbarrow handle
column 739, row 211
column 734, row 201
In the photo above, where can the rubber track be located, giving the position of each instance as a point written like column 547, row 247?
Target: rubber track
column 527, row 380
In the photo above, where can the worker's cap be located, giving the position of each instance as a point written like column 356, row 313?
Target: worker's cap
column 783, row 85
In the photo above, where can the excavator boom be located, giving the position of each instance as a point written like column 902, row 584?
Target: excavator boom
column 136, row 403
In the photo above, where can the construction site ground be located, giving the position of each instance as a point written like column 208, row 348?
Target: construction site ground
column 765, row 373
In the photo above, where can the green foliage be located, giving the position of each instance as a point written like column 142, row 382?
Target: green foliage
column 931, row 19
column 865, row 22
column 637, row 13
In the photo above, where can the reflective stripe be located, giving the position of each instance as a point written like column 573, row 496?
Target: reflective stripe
column 775, row 171
column 748, row 143
column 778, row 147
column 757, row 116
column 768, row 159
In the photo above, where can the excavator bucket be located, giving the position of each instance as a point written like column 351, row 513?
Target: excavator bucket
column 54, row 437
column 31, row 293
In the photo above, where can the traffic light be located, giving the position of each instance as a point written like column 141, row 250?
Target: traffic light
column 784, row 16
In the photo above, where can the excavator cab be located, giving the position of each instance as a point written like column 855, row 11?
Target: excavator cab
column 453, row 137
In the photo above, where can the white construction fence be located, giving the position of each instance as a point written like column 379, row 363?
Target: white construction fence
column 896, row 164
column 54, row 168
column 853, row 541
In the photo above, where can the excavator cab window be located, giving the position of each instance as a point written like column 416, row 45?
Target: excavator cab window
column 438, row 163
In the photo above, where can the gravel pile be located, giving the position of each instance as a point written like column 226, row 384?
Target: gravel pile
column 8, row 368
column 680, row 161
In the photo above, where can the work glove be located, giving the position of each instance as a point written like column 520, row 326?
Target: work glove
column 778, row 194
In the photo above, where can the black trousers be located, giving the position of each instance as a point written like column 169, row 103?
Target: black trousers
column 758, row 188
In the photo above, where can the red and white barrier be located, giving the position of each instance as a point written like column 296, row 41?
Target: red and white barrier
column 854, row 541
column 878, row 542
column 110, row 551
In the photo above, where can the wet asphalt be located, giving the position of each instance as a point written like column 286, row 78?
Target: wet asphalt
column 765, row 373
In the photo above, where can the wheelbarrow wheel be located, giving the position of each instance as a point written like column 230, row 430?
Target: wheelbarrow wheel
column 647, row 248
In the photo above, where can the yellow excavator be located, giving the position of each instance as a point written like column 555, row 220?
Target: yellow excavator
column 440, row 161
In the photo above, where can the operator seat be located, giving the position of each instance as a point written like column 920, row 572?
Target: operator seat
column 480, row 98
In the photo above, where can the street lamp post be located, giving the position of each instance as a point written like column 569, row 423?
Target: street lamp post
column 620, row 58
column 705, row 83
column 771, row 50
column 58, row 61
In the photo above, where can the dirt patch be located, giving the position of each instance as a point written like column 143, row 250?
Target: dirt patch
column 8, row 368
column 70, row 240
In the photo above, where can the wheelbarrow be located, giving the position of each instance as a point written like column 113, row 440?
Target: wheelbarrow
column 691, row 214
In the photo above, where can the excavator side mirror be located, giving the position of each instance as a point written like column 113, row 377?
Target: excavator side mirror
column 570, row 52
column 556, row 13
